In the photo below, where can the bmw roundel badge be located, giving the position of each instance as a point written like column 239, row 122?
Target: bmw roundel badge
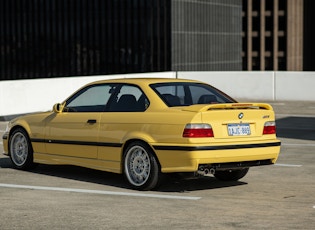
column 241, row 115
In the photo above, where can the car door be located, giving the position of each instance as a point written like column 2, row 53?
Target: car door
column 123, row 116
column 74, row 131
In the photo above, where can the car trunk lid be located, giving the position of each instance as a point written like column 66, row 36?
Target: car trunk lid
column 235, row 120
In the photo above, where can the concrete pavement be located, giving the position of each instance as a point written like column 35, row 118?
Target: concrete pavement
column 269, row 197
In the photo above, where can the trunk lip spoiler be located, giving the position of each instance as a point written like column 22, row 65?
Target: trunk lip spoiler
column 223, row 106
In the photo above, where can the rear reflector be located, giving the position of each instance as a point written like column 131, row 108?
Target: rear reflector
column 269, row 127
column 198, row 130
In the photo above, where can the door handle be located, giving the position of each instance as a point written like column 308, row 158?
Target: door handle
column 91, row 121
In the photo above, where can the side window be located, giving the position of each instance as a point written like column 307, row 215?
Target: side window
column 91, row 99
column 129, row 99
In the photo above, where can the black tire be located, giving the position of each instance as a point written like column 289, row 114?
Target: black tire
column 231, row 175
column 20, row 149
column 141, row 168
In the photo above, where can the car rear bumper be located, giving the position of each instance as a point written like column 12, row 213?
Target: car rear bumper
column 188, row 158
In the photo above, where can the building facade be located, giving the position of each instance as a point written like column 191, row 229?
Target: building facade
column 52, row 38
column 277, row 35
column 206, row 35
column 56, row 38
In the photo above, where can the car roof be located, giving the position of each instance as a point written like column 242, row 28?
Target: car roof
column 145, row 81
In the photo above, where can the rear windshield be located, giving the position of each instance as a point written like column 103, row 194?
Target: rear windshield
column 185, row 94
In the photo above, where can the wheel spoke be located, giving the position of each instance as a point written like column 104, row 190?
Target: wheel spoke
column 19, row 149
column 138, row 165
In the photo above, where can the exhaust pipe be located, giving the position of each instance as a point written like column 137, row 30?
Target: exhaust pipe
column 206, row 171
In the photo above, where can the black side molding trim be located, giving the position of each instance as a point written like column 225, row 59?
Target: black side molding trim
column 66, row 142
column 223, row 147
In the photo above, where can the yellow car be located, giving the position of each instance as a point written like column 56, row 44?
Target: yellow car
column 144, row 128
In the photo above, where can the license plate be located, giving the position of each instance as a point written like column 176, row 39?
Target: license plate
column 238, row 129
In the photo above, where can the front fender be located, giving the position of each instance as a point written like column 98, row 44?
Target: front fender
column 34, row 125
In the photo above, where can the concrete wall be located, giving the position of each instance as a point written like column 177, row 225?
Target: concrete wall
column 25, row 96
column 239, row 85
column 270, row 86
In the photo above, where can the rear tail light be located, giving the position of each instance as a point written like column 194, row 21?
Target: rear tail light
column 198, row 130
column 269, row 127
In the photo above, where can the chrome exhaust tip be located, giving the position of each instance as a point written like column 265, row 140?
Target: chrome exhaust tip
column 205, row 171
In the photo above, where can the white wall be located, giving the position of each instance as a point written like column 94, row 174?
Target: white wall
column 295, row 86
column 25, row 96
column 270, row 86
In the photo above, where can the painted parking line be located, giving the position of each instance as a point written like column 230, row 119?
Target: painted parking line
column 298, row 144
column 278, row 115
column 287, row 165
column 100, row 192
